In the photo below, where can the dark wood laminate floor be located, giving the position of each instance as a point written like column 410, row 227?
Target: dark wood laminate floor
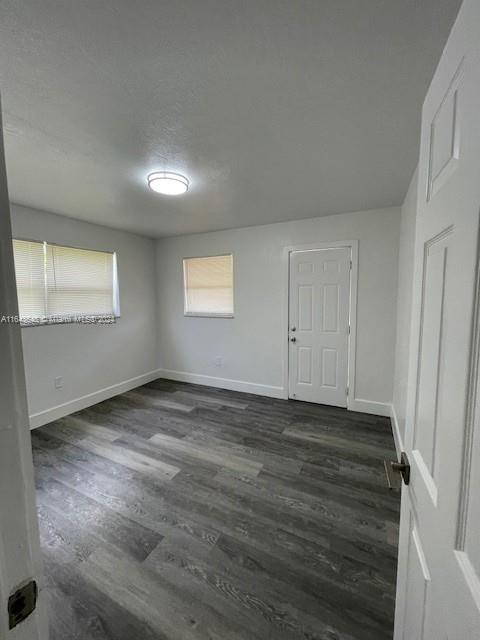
column 179, row 512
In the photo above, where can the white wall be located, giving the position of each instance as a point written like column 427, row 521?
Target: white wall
column 98, row 360
column 404, row 309
column 251, row 344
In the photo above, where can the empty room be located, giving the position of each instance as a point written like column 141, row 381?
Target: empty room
column 239, row 320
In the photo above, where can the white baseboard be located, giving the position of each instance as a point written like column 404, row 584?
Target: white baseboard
column 364, row 406
column 370, row 406
column 397, row 436
column 65, row 409
column 223, row 383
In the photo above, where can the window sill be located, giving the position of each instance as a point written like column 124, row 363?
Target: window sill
column 81, row 320
column 208, row 315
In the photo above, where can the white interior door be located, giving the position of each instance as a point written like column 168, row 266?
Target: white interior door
column 19, row 540
column 319, row 325
column 438, row 595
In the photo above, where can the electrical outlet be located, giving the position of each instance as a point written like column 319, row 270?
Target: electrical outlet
column 58, row 382
column 218, row 360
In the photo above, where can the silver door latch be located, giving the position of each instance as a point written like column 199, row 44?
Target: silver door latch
column 395, row 471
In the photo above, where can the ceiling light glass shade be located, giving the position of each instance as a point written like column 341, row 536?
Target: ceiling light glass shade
column 168, row 183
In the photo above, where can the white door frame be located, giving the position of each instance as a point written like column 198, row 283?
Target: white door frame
column 20, row 555
column 337, row 244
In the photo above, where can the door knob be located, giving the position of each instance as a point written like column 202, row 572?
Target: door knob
column 293, row 329
column 396, row 470
column 293, row 339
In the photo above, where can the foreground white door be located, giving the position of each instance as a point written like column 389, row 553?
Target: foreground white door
column 19, row 542
column 438, row 594
column 319, row 325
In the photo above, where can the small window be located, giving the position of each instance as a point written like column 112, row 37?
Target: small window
column 209, row 286
column 57, row 284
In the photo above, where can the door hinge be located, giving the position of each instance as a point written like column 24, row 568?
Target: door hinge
column 351, row 265
column 348, row 329
column 347, row 391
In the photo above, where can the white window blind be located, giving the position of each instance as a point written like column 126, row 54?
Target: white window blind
column 30, row 274
column 79, row 282
column 209, row 286
column 57, row 283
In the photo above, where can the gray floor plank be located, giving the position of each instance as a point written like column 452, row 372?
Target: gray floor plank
column 179, row 512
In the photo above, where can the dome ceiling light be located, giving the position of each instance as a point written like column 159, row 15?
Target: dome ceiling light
column 168, row 183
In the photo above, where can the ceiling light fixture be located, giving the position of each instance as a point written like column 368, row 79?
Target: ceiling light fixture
column 168, row 183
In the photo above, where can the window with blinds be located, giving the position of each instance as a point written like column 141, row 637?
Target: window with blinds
column 209, row 286
column 30, row 274
column 64, row 284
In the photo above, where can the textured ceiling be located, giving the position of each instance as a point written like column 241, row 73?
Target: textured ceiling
column 274, row 109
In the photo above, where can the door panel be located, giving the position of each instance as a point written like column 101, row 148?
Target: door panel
column 305, row 365
column 438, row 595
column 318, row 325
column 431, row 337
column 305, row 308
column 445, row 137
column 330, row 307
column 329, row 368
column 417, row 587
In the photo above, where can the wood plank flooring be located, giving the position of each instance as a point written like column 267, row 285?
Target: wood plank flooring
column 179, row 512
